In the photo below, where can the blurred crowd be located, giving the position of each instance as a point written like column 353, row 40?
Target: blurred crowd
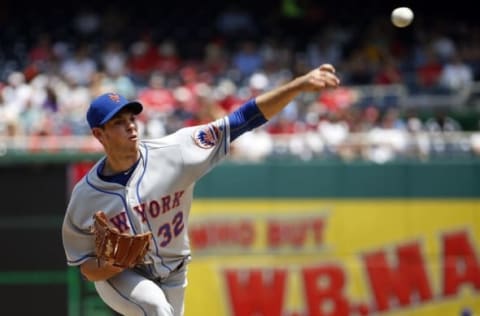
column 187, row 73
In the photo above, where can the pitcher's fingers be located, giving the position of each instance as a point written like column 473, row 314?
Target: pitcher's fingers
column 327, row 67
column 331, row 79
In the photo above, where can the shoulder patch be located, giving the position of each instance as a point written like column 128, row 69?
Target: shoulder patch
column 206, row 136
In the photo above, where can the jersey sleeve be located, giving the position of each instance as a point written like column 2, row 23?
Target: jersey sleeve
column 78, row 241
column 204, row 146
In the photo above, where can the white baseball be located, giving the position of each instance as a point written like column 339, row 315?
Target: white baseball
column 402, row 16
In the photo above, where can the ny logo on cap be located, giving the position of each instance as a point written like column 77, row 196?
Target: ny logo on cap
column 114, row 97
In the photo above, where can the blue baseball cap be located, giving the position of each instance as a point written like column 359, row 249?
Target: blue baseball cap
column 105, row 106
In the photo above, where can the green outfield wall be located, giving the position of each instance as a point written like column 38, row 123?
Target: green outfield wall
column 323, row 179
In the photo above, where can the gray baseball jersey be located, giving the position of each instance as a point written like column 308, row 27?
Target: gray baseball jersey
column 157, row 197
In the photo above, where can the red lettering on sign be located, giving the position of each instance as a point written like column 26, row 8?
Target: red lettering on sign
column 241, row 233
column 408, row 277
column 246, row 233
column 318, row 225
column 294, row 232
column 255, row 292
column 324, row 291
column 461, row 266
column 198, row 235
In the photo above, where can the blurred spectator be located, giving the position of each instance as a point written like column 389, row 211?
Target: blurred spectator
column 157, row 97
column 41, row 53
column 8, row 122
column 334, row 130
column 121, row 83
column 208, row 109
column 43, row 126
column 142, row 59
column 323, row 48
column 456, row 74
column 442, row 125
column 428, row 72
column 168, row 60
column 225, row 93
column 419, row 145
column 369, row 119
column 215, row 58
column 413, row 123
column 389, row 72
column 113, row 58
column 276, row 62
column 338, row 99
column 443, row 45
column 281, row 126
column 442, row 122
column 388, row 140
column 50, row 103
column 256, row 145
column 187, row 106
column 257, row 84
column 74, row 100
column 80, row 67
column 189, row 77
column 359, row 70
column 16, row 94
column 247, row 59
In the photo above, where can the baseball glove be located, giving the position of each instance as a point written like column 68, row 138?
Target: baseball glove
column 121, row 250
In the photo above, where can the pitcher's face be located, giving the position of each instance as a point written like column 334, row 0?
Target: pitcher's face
column 119, row 134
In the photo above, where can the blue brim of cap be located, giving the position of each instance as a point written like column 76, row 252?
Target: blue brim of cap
column 134, row 105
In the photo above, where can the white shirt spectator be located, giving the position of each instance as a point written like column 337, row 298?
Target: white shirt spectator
column 456, row 74
column 114, row 59
column 80, row 68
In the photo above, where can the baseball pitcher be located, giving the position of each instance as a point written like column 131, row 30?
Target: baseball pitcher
column 126, row 223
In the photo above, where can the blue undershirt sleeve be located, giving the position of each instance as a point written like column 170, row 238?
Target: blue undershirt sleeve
column 245, row 118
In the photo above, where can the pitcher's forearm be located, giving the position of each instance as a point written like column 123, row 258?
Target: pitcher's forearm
column 272, row 102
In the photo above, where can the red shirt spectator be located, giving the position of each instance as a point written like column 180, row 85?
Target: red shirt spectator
column 167, row 60
column 156, row 97
column 143, row 59
column 389, row 73
column 340, row 98
column 428, row 73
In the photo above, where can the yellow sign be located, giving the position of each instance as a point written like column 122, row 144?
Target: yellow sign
column 334, row 257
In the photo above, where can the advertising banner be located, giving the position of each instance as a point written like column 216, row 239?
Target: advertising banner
column 303, row 257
